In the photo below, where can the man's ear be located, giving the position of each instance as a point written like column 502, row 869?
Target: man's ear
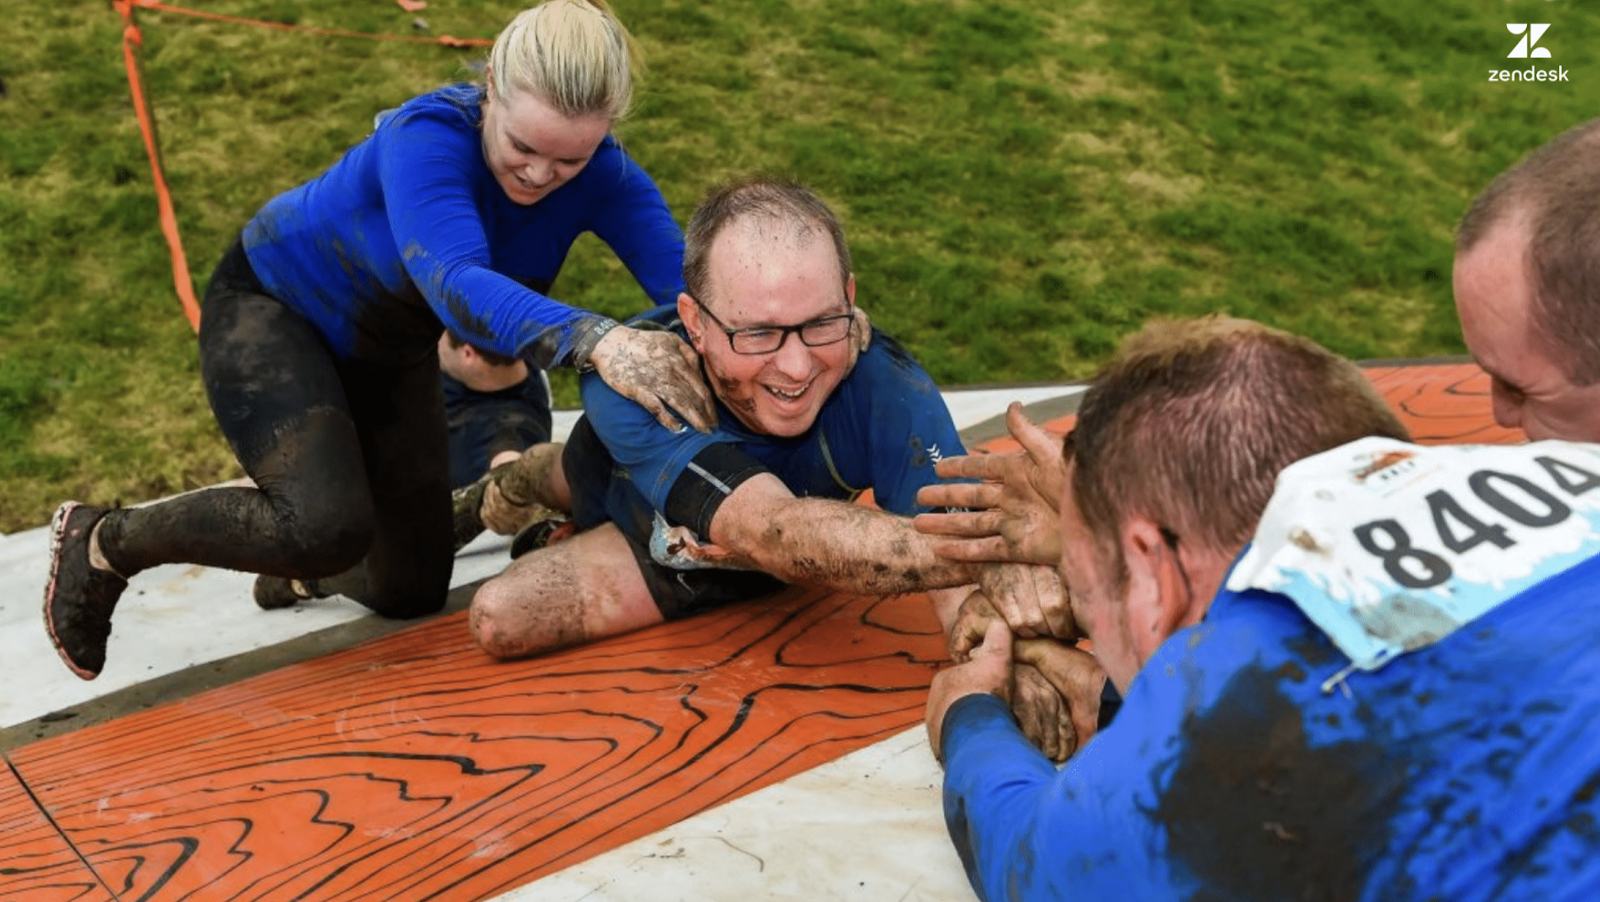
column 689, row 313
column 1158, row 594
column 850, row 288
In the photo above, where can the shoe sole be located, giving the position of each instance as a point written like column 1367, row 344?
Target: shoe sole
column 58, row 530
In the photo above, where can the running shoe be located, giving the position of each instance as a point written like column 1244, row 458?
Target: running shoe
column 542, row 533
column 273, row 593
column 79, row 598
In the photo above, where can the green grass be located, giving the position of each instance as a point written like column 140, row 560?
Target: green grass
column 1023, row 182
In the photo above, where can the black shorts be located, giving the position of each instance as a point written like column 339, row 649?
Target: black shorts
column 598, row 490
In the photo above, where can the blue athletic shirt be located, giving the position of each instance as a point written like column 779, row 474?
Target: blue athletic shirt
column 409, row 233
column 1249, row 761
column 883, row 428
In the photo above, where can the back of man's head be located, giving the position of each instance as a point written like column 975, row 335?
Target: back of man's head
column 772, row 202
column 1554, row 195
column 1191, row 422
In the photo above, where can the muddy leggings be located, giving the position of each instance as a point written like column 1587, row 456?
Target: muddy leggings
column 349, row 461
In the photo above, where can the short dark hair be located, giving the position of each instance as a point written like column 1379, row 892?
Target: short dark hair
column 493, row 358
column 1555, row 191
column 770, row 199
column 1191, row 422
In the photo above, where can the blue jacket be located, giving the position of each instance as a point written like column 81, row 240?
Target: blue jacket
column 409, row 232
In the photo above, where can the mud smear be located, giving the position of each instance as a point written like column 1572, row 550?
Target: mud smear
column 530, row 478
column 1254, row 811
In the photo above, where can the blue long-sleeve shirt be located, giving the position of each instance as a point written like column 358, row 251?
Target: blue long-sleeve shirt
column 409, row 232
column 1466, row 770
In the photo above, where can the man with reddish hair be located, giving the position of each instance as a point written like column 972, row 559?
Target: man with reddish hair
column 1352, row 667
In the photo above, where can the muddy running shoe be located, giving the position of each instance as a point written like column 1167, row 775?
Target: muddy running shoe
column 542, row 533
column 79, row 598
column 465, row 503
column 274, row 592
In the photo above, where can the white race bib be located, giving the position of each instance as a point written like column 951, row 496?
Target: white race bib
column 1390, row 547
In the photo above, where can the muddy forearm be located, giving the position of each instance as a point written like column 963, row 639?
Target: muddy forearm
column 836, row 545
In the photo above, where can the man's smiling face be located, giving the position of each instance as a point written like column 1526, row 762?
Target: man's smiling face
column 768, row 274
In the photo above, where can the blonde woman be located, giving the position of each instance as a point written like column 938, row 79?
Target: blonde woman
column 319, row 331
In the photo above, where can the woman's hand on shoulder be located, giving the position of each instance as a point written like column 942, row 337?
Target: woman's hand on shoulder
column 658, row 371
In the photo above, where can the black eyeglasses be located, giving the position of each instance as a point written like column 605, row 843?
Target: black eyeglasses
column 766, row 339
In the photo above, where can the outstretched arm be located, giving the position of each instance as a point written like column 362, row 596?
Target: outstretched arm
column 830, row 543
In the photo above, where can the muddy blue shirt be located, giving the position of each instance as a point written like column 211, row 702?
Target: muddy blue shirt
column 884, row 428
column 1466, row 770
column 409, row 232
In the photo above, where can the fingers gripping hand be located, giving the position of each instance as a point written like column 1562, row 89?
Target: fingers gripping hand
column 1076, row 676
column 658, row 371
column 975, row 528
column 1030, row 598
column 987, row 671
column 971, row 625
column 1042, row 713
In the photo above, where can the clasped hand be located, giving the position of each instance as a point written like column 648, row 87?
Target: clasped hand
column 1052, row 688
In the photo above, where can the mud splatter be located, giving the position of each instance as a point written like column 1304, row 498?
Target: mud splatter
column 1255, row 811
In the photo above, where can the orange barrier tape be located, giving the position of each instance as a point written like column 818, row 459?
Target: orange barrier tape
column 131, row 40
column 444, row 39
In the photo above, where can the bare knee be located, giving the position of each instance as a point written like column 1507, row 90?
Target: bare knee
column 583, row 589
column 510, row 621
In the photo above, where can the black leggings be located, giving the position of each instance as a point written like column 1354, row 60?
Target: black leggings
column 349, row 461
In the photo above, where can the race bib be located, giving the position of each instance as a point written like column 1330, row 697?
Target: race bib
column 1389, row 547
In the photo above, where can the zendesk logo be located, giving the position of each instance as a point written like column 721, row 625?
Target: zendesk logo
column 1526, row 49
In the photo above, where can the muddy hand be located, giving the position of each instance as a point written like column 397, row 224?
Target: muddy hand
column 1077, row 677
column 1022, row 493
column 1030, row 598
column 1042, row 713
column 860, row 336
column 971, row 625
column 502, row 515
column 988, row 671
column 658, row 371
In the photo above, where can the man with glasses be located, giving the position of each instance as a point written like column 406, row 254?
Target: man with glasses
column 672, row 524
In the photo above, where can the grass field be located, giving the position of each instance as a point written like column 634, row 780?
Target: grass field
column 1023, row 182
